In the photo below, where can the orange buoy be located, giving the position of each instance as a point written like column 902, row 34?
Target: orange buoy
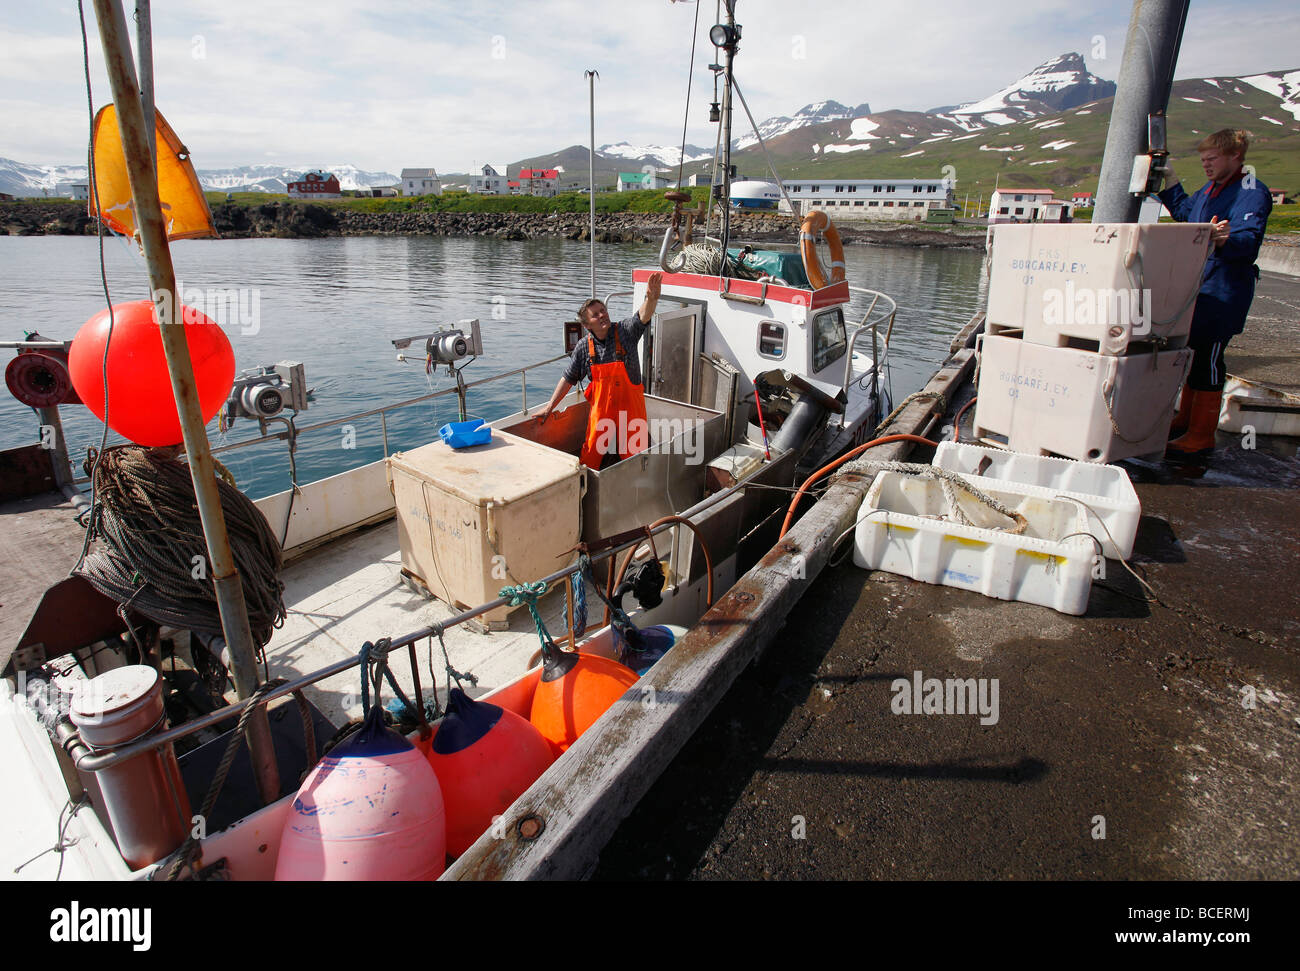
column 370, row 810
column 575, row 689
column 141, row 406
column 484, row 757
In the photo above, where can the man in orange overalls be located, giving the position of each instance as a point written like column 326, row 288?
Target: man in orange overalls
column 616, row 425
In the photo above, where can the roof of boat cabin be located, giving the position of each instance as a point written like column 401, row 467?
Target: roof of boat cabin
column 836, row 293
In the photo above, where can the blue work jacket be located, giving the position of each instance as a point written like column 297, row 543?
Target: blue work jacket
column 1228, row 283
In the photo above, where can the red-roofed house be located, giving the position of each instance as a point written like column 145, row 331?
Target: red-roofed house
column 315, row 185
column 539, row 182
column 1082, row 200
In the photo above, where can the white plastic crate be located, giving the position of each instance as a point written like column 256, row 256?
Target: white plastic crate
column 1267, row 410
column 1111, row 501
column 897, row 531
column 1105, row 284
column 1079, row 404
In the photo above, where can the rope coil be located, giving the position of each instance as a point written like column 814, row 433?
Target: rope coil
column 153, row 555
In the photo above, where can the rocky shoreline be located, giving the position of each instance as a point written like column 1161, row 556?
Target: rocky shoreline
column 285, row 220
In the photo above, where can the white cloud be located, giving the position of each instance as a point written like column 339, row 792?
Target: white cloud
column 404, row 82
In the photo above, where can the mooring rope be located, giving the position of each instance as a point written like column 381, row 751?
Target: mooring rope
column 153, row 555
column 950, row 482
column 706, row 259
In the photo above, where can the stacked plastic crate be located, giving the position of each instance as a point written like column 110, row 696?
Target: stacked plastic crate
column 1085, row 344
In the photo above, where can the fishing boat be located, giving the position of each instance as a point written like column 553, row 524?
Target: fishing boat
column 756, row 374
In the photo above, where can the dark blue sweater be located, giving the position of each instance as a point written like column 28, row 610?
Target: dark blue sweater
column 1228, row 284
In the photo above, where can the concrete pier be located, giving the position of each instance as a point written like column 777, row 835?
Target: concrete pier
column 1139, row 741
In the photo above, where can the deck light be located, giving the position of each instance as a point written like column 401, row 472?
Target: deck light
column 724, row 36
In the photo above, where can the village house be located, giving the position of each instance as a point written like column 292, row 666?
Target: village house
column 909, row 199
column 1279, row 196
column 420, row 182
column 315, row 185
column 491, row 181
column 632, row 181
column 539, row 182
column 1082, row 200
column 1027, row 206
column 73, row 190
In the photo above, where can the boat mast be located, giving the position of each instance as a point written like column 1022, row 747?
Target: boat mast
column 162, row 281
column 144, row 62
column 591, row 175
column 726, row 36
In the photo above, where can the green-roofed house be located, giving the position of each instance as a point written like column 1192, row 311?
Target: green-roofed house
column 631, row 181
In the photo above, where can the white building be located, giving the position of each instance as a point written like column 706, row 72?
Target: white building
column 841, row 198
column 1026, row 206
column 420, row 182
column 490, row 182
column 632, row 181
column 74, row 190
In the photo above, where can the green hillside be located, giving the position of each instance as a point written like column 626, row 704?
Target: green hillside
column 1017, row 155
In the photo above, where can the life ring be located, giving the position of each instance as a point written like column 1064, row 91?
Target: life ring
column 818, row 222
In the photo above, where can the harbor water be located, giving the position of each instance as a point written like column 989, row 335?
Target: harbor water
column 337, row 304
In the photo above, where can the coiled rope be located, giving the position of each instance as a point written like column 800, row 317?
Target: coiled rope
column 949, row 482
column 153, row 556
column 706, row 259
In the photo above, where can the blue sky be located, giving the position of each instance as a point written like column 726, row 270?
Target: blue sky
column 395, row 83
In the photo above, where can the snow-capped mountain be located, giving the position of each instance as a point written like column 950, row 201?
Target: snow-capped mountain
column 1284, row 84
column 813, row 114
column 20, row 179
column 1059, row 84
column 276, row 178
column 658, row 154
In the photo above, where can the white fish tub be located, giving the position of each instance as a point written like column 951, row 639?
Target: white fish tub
column 1099, row 287
column 1247, row 404
column 900, row 530
column 1111, row 503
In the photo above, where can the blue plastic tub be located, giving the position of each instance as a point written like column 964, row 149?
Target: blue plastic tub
column 463, row 434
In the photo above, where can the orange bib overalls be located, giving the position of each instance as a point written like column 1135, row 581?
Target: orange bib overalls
column 617, row 420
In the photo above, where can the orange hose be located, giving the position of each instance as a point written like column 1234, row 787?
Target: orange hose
column 824, row 470
column 956, row 422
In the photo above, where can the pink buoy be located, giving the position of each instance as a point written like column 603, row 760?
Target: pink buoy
column 370, row 810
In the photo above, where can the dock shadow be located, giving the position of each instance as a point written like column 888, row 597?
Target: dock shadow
column 706, row 779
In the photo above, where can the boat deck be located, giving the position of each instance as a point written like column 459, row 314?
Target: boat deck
column 1133, row 712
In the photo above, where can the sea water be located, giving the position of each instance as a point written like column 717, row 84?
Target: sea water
column 337, row 304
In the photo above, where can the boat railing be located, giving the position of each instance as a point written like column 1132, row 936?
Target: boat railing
column 98, row 761
column 878, row 312
column 459, row 391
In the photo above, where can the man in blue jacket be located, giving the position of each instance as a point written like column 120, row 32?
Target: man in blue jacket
column 1237, row 205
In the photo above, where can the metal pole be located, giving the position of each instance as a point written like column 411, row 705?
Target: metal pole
column 726, row 139
column 162, row 281
column 144, row 60
column 1146, row 76
column 591, row 174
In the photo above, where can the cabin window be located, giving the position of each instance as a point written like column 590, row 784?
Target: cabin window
column 829, row 338
column 771, row 339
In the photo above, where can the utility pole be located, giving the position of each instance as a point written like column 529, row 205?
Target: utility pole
column 591, row 174
column 1146, row 76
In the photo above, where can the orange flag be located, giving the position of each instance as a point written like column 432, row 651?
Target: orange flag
column 184, row 207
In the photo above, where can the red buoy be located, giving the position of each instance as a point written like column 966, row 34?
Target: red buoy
column 484, row 757
column 141, row 406
column 575, row 690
